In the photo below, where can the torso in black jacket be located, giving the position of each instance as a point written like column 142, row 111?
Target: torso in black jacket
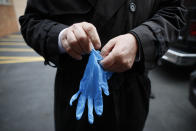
column 154, row 23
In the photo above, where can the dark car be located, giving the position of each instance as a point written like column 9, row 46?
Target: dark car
column 192, row 89
column 183, row 51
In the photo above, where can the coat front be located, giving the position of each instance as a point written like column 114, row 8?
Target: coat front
column 154, row 23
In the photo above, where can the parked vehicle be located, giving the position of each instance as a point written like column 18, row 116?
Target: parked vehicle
column 183, row 51
column 192, row 89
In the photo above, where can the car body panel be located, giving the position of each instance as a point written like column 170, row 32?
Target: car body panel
column 183, row 51
column 192, row 89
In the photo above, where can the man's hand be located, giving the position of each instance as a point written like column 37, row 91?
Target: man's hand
column 119, row 53
column 79, row 38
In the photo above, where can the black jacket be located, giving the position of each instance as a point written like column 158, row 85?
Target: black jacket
column 154, row 23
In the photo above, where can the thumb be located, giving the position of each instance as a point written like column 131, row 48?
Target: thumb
column 108, row 48
column 73, row 98
column 108, row 61
column 108, row 54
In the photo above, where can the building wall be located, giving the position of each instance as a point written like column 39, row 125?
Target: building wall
column 19, row 6
column 8, row 21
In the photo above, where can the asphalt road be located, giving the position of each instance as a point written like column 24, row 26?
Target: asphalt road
column 171, row 109
column 26, row 93
column 26, row 88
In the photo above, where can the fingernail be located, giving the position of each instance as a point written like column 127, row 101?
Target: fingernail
column 91, row 46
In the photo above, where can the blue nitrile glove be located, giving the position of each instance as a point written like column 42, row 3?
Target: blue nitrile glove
column 93, row 82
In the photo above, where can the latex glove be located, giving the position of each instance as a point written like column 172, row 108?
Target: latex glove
column 91, row 85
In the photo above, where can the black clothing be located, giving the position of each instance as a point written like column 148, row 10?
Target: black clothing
column 154, row 23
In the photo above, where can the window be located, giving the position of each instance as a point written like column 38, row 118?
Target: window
column 5, row 2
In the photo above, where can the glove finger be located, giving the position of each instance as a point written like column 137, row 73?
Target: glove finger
column 105, row 89
column 98, row 103
column 73, row 98
column 80, row 107
column 90, row 111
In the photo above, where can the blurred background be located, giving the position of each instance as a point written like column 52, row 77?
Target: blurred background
column 26, row 85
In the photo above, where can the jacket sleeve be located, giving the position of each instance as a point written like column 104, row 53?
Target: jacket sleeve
column 155, row 34
column 40, row 32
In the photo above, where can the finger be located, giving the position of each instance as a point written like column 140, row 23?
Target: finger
column 73, row 98
column 98, row 103
column 90, row 111
column 64, row 34
column 73, row 54
column 80, row 106
column 92, row 34
column 108, row 61
column 73, row 42
column 82, row 38
column 107, row 48
column 65, row 43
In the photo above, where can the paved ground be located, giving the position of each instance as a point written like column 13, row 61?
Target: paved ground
column 171, row 109
column 27, row 106
column 26, row 88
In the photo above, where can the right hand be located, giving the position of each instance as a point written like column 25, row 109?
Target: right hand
column 79, row 39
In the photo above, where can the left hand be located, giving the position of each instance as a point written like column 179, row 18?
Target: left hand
column 119, row 53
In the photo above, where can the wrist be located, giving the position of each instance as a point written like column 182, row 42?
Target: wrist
column 133, row 41
column 137, row 45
